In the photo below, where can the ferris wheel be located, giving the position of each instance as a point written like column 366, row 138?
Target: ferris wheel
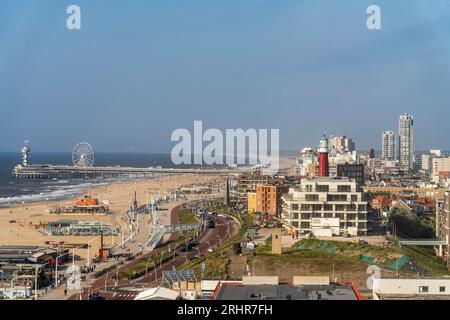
column 83, row 155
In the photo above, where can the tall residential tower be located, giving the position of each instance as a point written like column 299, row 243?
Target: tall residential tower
column 388, row 145
column 406, row 141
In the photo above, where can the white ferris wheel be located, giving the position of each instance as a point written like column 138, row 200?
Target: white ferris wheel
column 83, row 155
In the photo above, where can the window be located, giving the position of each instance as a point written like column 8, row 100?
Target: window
column 317, row 207
column 343, row 188
column 322, row 188
column 308, row 188
column 340, row 207
column 294, row 215
column 294, row 206
column 305, row 225
column 441, row 289
column 306, row 207
column 294, row 224
column 336, row 197
column 423, row 289
column 328, row 215
column 312, row 197
column 354, row 197
column 305, row 216
column 328, row 207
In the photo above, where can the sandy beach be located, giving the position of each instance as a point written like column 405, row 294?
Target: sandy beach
column 26, row 225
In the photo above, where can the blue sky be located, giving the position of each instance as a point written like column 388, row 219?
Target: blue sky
column 140, row 69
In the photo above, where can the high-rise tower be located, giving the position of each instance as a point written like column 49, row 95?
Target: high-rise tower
column 323, row 157
column 406, row 141
column 388, row 145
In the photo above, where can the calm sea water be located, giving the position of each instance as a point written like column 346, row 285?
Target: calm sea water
column 16, row 191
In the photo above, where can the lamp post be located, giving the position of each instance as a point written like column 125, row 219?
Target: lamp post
column 56, row 267
column 106, row 279
column 154, row 270
column 36, row 280
column 146, row 266
column 160, row 261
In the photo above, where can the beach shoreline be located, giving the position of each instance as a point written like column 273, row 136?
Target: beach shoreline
column 24, row 224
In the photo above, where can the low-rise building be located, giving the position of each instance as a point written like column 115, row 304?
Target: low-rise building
column 269, row 288
column 411, row 289
column 251, row 202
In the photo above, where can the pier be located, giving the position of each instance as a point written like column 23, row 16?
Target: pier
column 83, row 158
column 36, row 171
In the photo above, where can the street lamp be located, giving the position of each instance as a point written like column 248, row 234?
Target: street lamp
column 146, row 266
column 36, row 280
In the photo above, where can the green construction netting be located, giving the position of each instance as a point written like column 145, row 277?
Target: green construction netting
column 397, row 265
column 319, row 247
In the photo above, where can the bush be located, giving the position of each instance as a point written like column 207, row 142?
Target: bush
column 410, row 226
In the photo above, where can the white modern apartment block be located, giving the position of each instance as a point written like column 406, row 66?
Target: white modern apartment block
column 388, row 145
column 342, row 144
column 326, row 207
column 406, row 141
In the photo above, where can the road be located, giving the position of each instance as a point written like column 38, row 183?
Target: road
column 214, row 237
column 210, row 238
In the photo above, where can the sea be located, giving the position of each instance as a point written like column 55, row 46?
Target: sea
column 17, row 191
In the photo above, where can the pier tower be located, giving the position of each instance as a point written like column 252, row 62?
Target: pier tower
column 26, row 154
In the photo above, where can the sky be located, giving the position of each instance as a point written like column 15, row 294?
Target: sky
column 137, row 70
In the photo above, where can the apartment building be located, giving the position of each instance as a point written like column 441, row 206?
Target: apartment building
column 440, row 165
column 326, row 207
column 388, row 145
column 443, row 223
column 247, row 182
column 268, row 199
column 406, row 141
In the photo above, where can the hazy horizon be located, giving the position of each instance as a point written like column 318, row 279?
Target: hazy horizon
column 138, row 70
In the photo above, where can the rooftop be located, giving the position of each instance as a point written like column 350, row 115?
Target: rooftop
column 286, row 292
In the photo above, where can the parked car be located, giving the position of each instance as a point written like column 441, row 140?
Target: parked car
column 210, row 224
